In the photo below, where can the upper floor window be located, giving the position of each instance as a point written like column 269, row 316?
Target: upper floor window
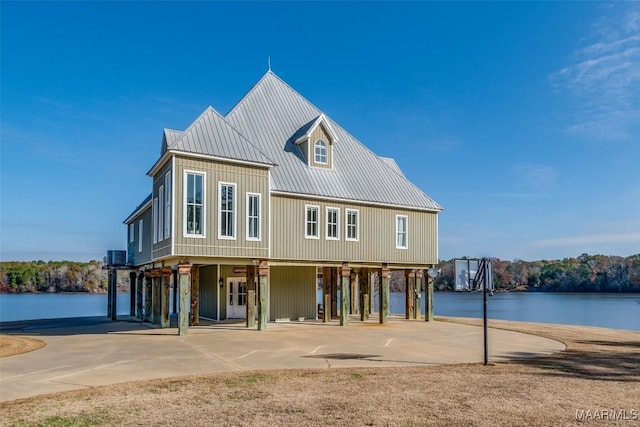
column 333, row 224
column 140, row 223
column 131, row 232
column 352, row 227
column 155, row 220
column 320, row 152
column 167, row 205
column 161, row 213
column 227, row 211
column 312, row 214
column 194, row 204
column 401, row 231
column 253, row 216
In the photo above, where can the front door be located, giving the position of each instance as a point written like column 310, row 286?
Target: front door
column 237, row 298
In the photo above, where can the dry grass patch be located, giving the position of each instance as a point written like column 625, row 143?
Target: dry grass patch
column 599, row 370
column 11, row 345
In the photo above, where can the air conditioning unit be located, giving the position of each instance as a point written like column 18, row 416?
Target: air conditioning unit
column 116, row 258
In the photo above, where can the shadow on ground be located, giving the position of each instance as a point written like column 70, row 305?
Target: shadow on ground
column 605, row 364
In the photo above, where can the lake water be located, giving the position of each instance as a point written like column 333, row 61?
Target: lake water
column 620, row 311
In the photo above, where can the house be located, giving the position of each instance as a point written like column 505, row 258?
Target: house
column 248, row 210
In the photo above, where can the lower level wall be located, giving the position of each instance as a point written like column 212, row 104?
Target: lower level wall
column 209, row 291
column 292, row 293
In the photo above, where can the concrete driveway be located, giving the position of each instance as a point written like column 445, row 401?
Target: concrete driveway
column 90, row 352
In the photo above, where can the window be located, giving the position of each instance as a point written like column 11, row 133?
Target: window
column 161, row 213
column 352, row 231
column 320, row 151
column 140, row 236
column 194, row 204
column 401, row 231
column 333, row 224
column 155, row 220
column 311, row 222
column 253, row 216
column 167, row 205
column 132, row 232
column 227, row 211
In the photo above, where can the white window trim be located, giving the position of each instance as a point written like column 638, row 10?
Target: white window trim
column 248, row 196
column 406, row 231
column 132, row 232
column 155, row 220
column 167, row 205
column 140, row 228
column 161, row 213
column 330, row 208
column 234, row 207
column 306, row 210
column 204, row 204
column 346, row 225
column 326, row 152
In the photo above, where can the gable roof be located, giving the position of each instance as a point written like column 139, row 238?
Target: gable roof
column 305, row 131
column 169, row 137
column 273, row 116
column 211, row 135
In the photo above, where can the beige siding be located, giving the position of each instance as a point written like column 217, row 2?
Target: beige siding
column 293, row 293
column 162, row 247
column 376, row 241
column 320, row 133
column 247, row 179
column 209, row 291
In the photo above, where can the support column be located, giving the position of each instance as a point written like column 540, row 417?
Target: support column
column 326, row 294
column 364, row 294
column 165, row 291
column 176, row 291
column 184, row 279
column 428, row 309
column 195, row 295
column 372, row 292
column 410, row 291
column 155, row 297
column 112, row 289
column 418, row 306
column 385, row 279
column 148, row 296
column 132, row 293
column 353, row 293
column 345, row 284
column 251, row 296
column 263, row 286
column 139, row 292
column 334, row 292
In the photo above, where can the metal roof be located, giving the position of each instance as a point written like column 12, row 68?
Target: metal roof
column 211, row 135
column 144, row 205
column 272, row 116
column 169, row 137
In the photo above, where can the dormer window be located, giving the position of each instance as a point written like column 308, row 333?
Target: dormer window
column 320, row 150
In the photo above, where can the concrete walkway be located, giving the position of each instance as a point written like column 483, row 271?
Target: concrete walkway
column 91, row 352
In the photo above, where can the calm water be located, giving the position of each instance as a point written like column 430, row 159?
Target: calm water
column 620, row 311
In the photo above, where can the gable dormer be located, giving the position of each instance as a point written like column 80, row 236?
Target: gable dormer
column 316, row 142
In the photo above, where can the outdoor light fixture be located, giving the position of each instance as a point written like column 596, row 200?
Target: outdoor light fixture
column 221, row 282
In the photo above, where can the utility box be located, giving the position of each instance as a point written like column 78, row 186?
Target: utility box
column 116, row 258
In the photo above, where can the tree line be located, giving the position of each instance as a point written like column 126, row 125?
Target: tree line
column 586, row 273
column 56, row 276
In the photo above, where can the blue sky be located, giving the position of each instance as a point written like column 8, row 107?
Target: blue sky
column 521, row 119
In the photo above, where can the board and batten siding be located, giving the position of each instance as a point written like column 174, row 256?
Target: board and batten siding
column 292, row 293
column 247, row 179
column 320, row 133
column 162, row 247
column 135, row 257
column 209, row 291
column 377, row 234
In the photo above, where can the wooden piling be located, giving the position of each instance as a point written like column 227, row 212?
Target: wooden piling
column 428, row 312
column 326, row 294
column 195, row 295
column 148, row 296
column 418, row 301
column 251, row 296
column 385, row 279
column 364, row 294
column 184, row 274
column 165, row 291
column 155, row 300
column 345, row 284
column 263, row 286
column 132, row 293
column 139, row 292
